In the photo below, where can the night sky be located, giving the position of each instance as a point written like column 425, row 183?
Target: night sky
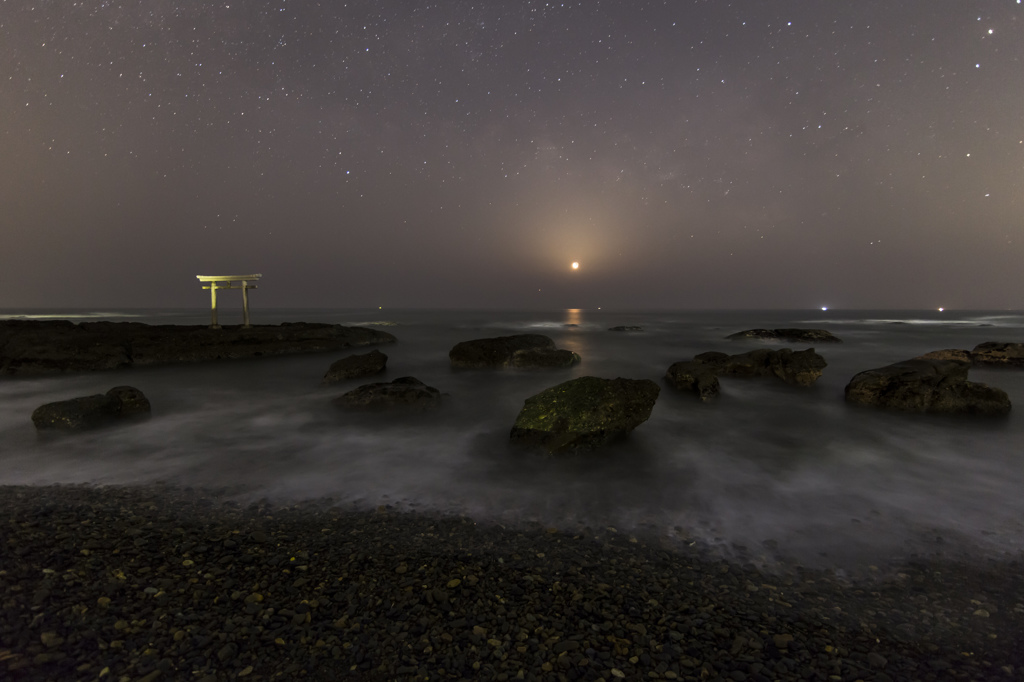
column 854, row 154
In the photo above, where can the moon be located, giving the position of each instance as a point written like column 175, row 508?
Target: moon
column 575, row 265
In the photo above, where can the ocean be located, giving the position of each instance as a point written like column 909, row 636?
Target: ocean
column 768, row 473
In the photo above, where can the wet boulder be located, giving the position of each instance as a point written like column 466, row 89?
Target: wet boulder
column 119, row 403
column 355, row 366
column 926, row 385
column 999, row 354
column 790, row 335
column 695, row 377
column 408, row 393
column 626, row 328
column 584, row 413
column 534, row 350
column 798, row 368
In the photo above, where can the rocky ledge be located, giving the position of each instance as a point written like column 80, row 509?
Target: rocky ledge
column 31, row 347
column 791, row 335
column 525, row 351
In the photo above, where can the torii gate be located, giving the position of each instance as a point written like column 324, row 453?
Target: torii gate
column 217, row 282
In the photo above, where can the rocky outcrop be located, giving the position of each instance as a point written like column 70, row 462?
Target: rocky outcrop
column 954, row 354
column 799, row 368
column 355, row 366
column 584, row 413
column 999, row 354
column 626, row 328
column 790, row 335
column 407, row 393
column 31, row 347
column 119, row 403
column 926, row 385
column 696, row 377
column 521, row 350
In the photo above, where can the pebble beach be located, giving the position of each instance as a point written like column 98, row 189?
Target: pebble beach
column 160, row 583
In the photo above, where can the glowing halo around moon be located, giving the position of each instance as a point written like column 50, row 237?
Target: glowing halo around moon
column 575, row 265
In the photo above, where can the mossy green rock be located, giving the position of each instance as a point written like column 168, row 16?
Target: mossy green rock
column 584, row 413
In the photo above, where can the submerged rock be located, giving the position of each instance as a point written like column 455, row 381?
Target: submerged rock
column 544, row 358
column 798, row 368
column 791, row 335
column 696, row 377
column 626, row 328
column 29, row 347
column 926, row 385
column 520, row 350
column 355, row 366
column 584, row 413
column 999, row 354
column 403, row 393
column 120, row 402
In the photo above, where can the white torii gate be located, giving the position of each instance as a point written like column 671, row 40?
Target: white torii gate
column 217, row 282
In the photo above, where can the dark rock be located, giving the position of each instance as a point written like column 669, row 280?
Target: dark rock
column 29, row 347
column 999, row 354
column 121, row 402
column 502, row 351
column 799, row 368
column 694, row 376
column 406, row 393
column 791, row 335
column 544, row 358
column 355, row 366
column 926, row 385
column 953, row 354
column 584, row 413
column 626, row 328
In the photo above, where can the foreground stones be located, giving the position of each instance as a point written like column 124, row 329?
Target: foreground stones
column 797, row 368
column 926, row 384
column 584, row 413
column 521, row 350
column 355, row 366
column 32, row 347
column 791, row 335
column 119, row 403
column 408, row 393
column 695, row 377
column 161, row 581
column 999, row 354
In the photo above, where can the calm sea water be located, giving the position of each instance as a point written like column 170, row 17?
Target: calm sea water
column 768, row 471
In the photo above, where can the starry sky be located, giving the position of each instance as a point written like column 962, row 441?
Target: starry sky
column 462, row 154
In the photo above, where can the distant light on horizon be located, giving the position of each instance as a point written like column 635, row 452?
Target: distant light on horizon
column 941, row 309
column 824, row 307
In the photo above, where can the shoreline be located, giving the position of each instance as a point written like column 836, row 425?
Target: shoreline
column 157, row 582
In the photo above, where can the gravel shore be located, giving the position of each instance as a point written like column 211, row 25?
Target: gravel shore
column 157, row 583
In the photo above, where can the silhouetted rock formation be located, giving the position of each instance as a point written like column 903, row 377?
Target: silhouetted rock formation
column 30, row 347
column 999, row 354
column 696, row 377
column 926, row 385
column 404, row 393
column 355, row 366
column 120, row 402
column 626, row 328
column 791, row 335
column 521, row 350
column 799, row 368
column 584, row 413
